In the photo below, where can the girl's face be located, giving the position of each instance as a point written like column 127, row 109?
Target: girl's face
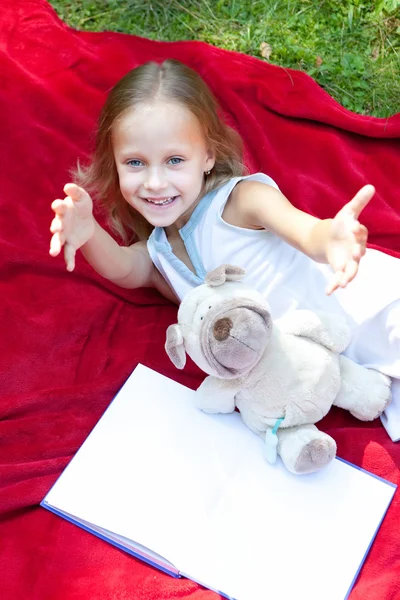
column 161, row 156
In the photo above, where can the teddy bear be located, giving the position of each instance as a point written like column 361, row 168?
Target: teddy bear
column 282, row 375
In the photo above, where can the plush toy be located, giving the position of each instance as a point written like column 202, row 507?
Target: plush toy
column 283, row 376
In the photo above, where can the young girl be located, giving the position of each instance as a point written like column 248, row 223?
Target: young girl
column 170, row 175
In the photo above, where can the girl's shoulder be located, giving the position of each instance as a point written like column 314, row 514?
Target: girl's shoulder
column 228, row 185
column 245, row 196
column 261, row 178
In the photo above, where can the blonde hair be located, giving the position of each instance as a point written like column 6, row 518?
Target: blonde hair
column 174, row 81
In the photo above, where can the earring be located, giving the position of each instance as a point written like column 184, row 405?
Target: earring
column 207, row 172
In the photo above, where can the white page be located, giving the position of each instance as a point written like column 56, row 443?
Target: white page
column 196, row 489
column 296, row 533
column 153, row 466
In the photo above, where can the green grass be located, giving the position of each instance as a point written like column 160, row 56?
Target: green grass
column 351, row 48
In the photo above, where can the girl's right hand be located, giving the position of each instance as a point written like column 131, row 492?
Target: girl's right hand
column 73, row 224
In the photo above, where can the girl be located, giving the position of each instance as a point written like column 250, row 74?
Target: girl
column 169, row 173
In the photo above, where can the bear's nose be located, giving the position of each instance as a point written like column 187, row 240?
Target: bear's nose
column 222, row 329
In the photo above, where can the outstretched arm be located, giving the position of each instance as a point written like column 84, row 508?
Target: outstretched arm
column 340, row 241
column 74, row 227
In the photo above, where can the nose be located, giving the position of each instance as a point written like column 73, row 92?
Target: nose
column 155, row 179
column 222, row 329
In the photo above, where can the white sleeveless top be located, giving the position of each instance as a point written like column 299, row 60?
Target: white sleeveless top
column 285, row 276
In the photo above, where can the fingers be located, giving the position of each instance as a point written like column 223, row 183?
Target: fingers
column 59, row 207
column 69, row 256
column 358, row 251
column 57, row 225
column 56, row 243
column 343, row 277
column 360, row 236
column 360, row 231
column 351, row 240
column 58, row 238
column 334, row 284
column 360, row 200
column 75, row 192
column 72, row 191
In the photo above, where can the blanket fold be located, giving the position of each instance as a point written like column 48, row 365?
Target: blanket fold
column 69, row 341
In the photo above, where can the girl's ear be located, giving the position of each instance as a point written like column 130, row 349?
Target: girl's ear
column 210, row 159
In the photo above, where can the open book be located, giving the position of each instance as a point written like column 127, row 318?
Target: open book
column 191, row 494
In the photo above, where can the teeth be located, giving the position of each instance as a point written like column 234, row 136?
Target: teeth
column 159, row 202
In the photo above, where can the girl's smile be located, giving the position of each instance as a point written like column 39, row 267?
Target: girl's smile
column 161, row 201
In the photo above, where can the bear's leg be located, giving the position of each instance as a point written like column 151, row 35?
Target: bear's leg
column 391, row 417
column 305, row 449
column 216, row 396
column 364, row 392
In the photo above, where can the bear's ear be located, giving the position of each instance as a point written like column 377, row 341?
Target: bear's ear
column 224, row 273
column 174, row 346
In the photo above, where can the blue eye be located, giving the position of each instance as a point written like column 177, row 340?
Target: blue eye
column 175, row 160
column 135, row 163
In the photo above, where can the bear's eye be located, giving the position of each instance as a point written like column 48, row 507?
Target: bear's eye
column 209, row 307
column 201, row 318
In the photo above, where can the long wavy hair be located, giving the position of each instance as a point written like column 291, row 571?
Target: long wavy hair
column 170, row 80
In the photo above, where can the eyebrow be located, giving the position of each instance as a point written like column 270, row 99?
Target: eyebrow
column 173, row 151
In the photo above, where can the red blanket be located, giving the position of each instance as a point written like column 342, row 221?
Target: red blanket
column 69, row 341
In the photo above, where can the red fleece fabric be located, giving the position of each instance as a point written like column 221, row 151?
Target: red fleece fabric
column 69, row 341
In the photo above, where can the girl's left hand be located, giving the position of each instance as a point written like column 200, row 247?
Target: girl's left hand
column 348, row 240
